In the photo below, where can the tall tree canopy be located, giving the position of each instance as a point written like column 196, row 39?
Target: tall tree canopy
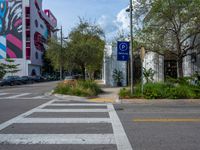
column 170, row 26
column 86, row 46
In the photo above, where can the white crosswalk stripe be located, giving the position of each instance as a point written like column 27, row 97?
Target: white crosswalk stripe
column 71, row 110
column 117, row 137
column 57, row 138
column 1, row 94
column 21, row 96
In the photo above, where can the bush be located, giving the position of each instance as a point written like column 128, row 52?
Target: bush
column 163, row 91
column 78, row 88
column 125, row 93
column 155, row 90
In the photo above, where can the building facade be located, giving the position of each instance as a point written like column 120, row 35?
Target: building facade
column 24, row 30
column 155, row 62
column 110, row 64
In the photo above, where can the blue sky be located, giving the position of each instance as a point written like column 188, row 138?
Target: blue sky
column 109, row 14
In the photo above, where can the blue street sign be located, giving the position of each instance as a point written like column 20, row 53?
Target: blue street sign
column 123, row 51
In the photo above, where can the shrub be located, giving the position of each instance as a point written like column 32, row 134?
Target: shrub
column 154, row 90
column 125, row 93
column 78, row 88
column 181, row 91
column 163, row 91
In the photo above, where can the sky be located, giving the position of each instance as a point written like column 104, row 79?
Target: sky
column 109, row 14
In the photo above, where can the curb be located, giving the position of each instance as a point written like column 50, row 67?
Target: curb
column 49, row 93
column 70, row 98
column 85, row 99
column 160, row 101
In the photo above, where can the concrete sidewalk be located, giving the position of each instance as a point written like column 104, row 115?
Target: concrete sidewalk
column 110, row 94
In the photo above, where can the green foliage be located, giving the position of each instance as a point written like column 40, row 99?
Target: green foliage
column 86, row 47
column 125, row 93
column 163, row 91
column 55, row 54
column 10, row 67
column 78, row 88
column 117, row 76
column 2, row 70
column 168, row 25
column 83, row 51
column 155, row 90
column 148, row 74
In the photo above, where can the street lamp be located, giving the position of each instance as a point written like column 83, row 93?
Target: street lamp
column 130, row 9
column 61, row 44
column 142, row 55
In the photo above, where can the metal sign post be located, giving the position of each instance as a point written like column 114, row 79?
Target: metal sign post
column 142, row 55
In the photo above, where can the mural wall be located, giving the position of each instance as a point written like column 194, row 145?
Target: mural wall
column 39, row 32
column 10, row 29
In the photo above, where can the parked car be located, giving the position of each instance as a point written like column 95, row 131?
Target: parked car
column 27, row 79
column 38, row 78
column 11, row 80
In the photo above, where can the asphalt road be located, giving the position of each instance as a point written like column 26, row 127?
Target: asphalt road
column 30, row 120
column 161, row 127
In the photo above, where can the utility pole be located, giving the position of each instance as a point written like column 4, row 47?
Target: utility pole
column 131, row 43
column 61, row 60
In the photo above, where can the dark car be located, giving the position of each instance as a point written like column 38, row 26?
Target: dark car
column 27, row 79
column 38, row 78
column 11, row 80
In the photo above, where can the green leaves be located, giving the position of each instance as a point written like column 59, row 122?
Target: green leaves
column 86, row 46
column 83, row 50
column 117, row 75
column 8, row 67
column 170, row 26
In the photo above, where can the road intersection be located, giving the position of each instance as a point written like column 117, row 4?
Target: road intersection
column 31, row 120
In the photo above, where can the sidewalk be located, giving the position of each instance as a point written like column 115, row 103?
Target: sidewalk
column 109, row 95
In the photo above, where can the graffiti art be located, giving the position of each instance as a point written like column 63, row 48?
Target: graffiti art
column 10, row 29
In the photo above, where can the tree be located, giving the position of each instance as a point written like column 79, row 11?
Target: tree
column 171, row 26
column 10, row 66
column 85, row 47
column 2, row 70
column 58, row 56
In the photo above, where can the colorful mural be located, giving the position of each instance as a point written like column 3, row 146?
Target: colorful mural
column 10, row 29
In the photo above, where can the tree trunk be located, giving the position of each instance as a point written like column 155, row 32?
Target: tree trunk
column 83, row 71
column 180, row 68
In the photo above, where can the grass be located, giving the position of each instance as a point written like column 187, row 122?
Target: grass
column 78, row 88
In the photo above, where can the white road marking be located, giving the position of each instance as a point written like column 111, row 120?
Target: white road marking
column 1, row 94
column 57, row 139
column 119, row 133
column 71, row 110
column 77, row 104
column 19, row 95
column 118, row 137
column 11, row 121
column 64, row 120
column 38, row 97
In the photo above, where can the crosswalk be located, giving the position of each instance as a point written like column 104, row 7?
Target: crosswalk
column 72, row 115
column 22, row 96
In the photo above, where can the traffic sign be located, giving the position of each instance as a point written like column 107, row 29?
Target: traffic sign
column 123, row 50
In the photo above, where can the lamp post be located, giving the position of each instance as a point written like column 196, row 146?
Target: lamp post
column 61, row 46
column 142, row 55
column 130, row 9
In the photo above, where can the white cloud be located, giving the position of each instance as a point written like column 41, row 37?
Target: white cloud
column 122, row 20
column 113, row 25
